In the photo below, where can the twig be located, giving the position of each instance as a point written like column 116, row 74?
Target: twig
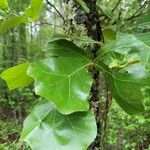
column 56, row 10
column 138, row 15
column 116, row 5
column 133, row 16
column 46, row 23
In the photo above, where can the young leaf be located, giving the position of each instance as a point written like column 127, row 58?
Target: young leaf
column 127, row 81
column 16, row 77
column 34, row 9
column 45, row 128
column 3, row 4
column 65, row 48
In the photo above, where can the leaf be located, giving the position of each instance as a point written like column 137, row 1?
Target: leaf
column 83, row 5
column 34, row 9
column 143, row 22
column 105, row 10
column 64, row 78
column 3, row 4
column 127, row 81
column 45, row 128
column 12, row 22
column 109, row 35
column 144, row 37
column 16, row 77
column 65, row 48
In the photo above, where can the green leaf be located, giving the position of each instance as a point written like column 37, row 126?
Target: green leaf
column 34, row 9
column 65, row 48
column 16, row 77
column 45, row 128
column 109, row 35
column 144, row 37
column 12, row 22
column 3, row 4
column 125, row 63
column 83, row 5
column 143, row 22
column 105, row 10
column 64, row 78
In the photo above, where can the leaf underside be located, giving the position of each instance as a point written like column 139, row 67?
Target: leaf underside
column 45, row 128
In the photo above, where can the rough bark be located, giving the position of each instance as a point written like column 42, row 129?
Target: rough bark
column 91, row 21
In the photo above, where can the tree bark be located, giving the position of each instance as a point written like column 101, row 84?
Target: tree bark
column 92, row 24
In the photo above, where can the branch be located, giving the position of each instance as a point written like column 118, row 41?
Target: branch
column 46, row 23
column 56, row 10
column 134, row 15
column 116, row 5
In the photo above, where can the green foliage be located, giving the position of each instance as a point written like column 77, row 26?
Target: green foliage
column 16, row 77
column 30, row 14
column 64, row 74
column 3, row 4
column 127, row 60
column 125, row 131
column 62, row 120
column 83, row 5
column 143, row 22
column 34, row 9
column 109, row 35
column 12, row 22
column 46, row 128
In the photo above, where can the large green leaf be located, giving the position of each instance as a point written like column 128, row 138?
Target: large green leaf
column 34, row 9
column 3, row 4
column 126, row 63
column 47, row 129
column 64, row 78
column 16, row 77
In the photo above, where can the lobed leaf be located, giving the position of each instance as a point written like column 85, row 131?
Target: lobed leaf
column 64, row 78
column 45, row 128
column 125, row 63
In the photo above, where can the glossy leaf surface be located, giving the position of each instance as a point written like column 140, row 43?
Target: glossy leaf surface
column 45, row 128
column 64, row 78
column 126, row 63
column 16, row 77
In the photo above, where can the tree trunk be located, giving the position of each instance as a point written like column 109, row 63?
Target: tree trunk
column 92, row 24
